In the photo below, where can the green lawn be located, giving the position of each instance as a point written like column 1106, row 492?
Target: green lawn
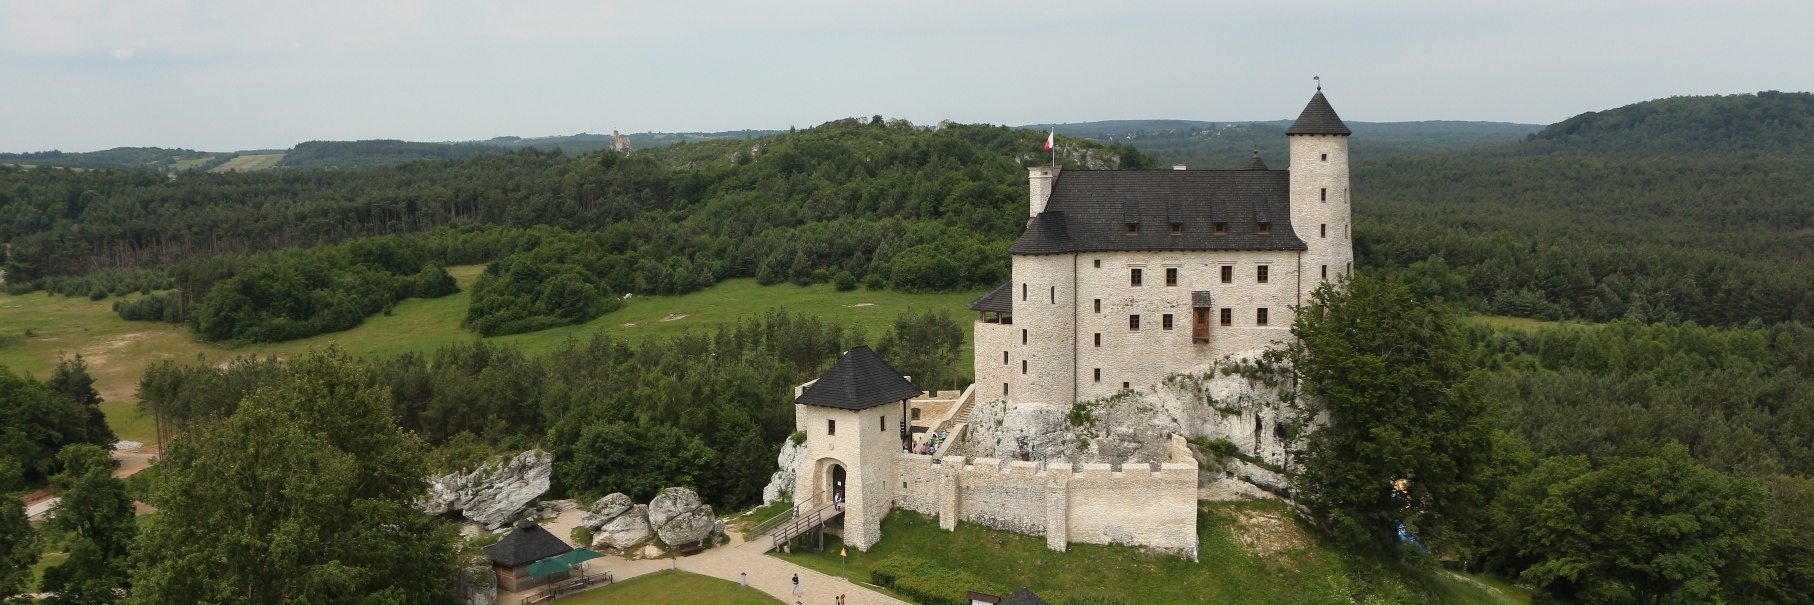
column 1302, row 571
column 1526, row 323
column 248, row 163
column 46, row 561
column 118, row 351
column 668, row 587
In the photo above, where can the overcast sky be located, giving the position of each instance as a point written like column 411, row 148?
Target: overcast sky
column 228, row 75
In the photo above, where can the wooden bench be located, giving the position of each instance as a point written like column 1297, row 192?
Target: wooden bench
column 691, row 548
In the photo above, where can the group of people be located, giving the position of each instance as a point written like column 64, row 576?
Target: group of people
column 931, row 444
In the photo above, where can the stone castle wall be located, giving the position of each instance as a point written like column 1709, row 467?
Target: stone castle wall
column 1151, row 505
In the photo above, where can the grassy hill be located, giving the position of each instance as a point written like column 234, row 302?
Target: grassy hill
column 36, row 328
column 1768, row 122
column 1227, row 145
column 149, row 158
column 1248, row 553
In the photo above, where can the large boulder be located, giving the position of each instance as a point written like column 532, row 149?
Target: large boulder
column 781, row 484
column 679, row 517
column 493, row 494
column 625, row 531
column 604, row 510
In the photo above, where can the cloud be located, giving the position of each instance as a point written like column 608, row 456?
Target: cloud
column 122, row 53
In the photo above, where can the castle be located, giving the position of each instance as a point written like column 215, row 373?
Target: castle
column 1122, row 280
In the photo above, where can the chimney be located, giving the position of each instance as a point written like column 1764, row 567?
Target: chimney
column 1039, row 188
column 1177, row 166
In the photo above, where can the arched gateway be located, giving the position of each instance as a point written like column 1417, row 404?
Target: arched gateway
column 855, row 420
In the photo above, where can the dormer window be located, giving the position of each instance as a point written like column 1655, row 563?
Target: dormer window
column 1264, row 228
column 1177, row 228
column 1221, row 229
column 1133, row 228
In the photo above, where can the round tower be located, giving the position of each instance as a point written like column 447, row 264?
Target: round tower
column 1320, row 210
column 1042, row 360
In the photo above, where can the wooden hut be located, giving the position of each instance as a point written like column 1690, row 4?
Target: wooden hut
column 511, row 556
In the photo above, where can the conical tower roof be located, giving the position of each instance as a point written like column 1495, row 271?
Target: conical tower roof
column 1319, row 118
column 1254, row 163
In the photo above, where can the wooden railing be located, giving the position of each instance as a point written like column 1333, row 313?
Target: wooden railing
column 773, row 522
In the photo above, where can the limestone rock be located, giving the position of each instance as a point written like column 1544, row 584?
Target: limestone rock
column 625, row 530
column 679, row 517
column 493, row 494
column 781, row 484
column 604, row 510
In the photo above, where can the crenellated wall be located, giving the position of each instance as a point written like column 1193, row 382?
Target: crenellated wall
column 1152, row 505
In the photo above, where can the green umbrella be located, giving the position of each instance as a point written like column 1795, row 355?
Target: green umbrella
column 562, row 562
column 578, row 555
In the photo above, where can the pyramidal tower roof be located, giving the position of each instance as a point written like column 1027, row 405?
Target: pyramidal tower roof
column 1255, row 163
column 1319, row 118
column 859, row 380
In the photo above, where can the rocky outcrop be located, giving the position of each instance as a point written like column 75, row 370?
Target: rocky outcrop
column 679, row 517
column 781, row 484
column 494, row 494
column 617, row 523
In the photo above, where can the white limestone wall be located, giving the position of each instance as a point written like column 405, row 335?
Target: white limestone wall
column 865, row 444
column 993, row 357
column 1134, row 506
column 1043, row 332
column 1143, row 358
column 918, row 484
column 1319, row 163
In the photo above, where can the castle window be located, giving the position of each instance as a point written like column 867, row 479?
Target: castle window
column 1054, row 295
column 1228, row 274
column 1098, row 374
column 1323, row 229
column 1023, row 366
column 1325, row 157
column 1004, row 389
column 1325, row 272
column 1134, row 276
column 831, row 427
column 1004, row 358
column 1171, row 276
column 1023, row 336
column 1124, row 386
column 1221, row 229
column 1165, row 321
column 1325, row 194
column 1133, row 228
column 1023, row 291
column 1260, row 317
column 884, row 423
column 1098, row 263
column 1098, row 305
column 1264, row 228
column 1098, row 339
column 1133, row 323
column 916, row 414
column 1228, row 316
column 1264, row 273
column 1177, row 228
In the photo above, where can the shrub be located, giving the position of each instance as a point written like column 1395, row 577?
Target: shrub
column 926, row 582
column 799, row 437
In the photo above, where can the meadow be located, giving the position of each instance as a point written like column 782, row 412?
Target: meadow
column 36, row 328
column 248, row 163
column 671, row 588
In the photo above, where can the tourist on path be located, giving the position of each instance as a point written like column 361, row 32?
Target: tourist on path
column 796, row 584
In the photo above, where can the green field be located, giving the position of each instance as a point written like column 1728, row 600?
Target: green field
column 248, row 163
column 118, row 351
column 1294, row 568
column 668, row 587
column 191, row 163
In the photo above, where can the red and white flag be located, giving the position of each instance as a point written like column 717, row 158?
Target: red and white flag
column 1049, row 135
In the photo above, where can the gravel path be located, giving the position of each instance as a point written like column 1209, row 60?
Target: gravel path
column 767, row 574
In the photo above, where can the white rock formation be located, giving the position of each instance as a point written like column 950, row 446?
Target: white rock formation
column 617, row 523
column 493, row 494
column 679, row 517
column 605, row 509
column 781, row 484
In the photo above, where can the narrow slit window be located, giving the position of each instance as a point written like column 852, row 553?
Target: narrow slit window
column 1054, row 295
column 1325, row 193
column 1004, row 389
column 1004, row 358
column 1098, row 339
column 1098, row 374
column 1171, row 276
column 1323, row 229
column 1325, row 272
column 1023, row 366
column 1098, row 303
column 883, row 424
column 831, row 427
column 1023, row 291
column 1023, row 336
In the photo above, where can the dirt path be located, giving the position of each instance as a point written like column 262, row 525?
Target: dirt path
column 728, row 562
column 129, row 462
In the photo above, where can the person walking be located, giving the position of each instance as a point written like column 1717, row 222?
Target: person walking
column 796, row 585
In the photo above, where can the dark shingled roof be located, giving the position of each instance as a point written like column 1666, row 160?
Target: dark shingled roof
column 859, row 381
column 1089, row 211
column 1022, row 596
column 1254, row 163
column 1000, row 299
column 1318, row 118
column 528, row 544
column 1201, row 299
